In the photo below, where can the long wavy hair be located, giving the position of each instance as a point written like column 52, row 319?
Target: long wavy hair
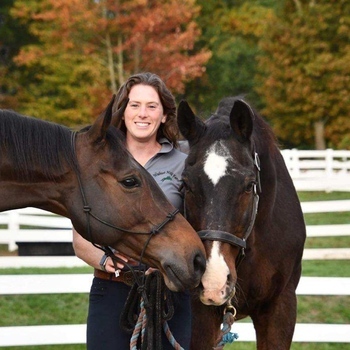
column 169, row 129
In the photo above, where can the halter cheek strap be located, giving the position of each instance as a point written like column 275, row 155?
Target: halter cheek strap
column 88, row 212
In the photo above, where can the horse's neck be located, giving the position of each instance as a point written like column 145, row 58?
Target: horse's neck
column 46, row 196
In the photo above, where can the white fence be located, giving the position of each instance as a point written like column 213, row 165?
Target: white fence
column 46, row 227
column 325, row 163
column 52, row 228
column 327, row 170
column 80, row 283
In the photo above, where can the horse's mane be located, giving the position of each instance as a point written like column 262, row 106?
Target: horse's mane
column 219, row 123
column 31, row 142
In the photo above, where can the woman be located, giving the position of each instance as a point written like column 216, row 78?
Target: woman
column 150, row 126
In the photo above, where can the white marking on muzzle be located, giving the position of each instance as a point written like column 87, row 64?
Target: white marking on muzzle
column 216, row 272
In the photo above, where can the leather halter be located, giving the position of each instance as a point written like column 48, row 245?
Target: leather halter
column 226, row 237
column 88, row 212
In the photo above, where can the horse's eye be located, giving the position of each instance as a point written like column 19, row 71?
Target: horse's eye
column 130, row 182
column 250, row 186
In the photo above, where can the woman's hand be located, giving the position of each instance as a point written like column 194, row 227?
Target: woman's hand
column 111, row 268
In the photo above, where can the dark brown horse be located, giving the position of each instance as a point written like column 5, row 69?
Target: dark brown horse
column 224, row 179
column 91, row 178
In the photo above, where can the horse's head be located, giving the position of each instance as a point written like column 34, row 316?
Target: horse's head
column 125, row 208
column 221, row 178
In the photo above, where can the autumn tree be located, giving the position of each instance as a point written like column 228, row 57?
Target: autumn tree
column 231, row 30
column 10, row 43
column 305, row 74
column 86, row 48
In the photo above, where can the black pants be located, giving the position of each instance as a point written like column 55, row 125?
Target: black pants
column 107, row 299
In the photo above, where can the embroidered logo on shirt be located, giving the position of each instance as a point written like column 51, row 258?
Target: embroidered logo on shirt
column 166, row 176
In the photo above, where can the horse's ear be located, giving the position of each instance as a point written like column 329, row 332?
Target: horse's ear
column 191, row 127
column 98, row 130
column 241, row 120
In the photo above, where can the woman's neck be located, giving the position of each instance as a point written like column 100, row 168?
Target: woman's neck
column 143, row 151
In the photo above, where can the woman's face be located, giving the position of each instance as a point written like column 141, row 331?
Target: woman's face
column 144, row 113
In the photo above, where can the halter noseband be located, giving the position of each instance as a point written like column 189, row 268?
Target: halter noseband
column 88, row 211
column 226, row 237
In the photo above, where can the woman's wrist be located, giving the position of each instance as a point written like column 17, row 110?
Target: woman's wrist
column 103, row 262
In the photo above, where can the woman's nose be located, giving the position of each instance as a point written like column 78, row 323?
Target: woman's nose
column 143, row 111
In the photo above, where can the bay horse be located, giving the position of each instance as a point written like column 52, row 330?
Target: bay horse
column 91, row 178
column 240, row 198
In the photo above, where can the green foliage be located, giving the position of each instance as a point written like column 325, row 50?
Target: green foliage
column 10, row 43
column 231, row 30
column 62, row 60
column 303, row 74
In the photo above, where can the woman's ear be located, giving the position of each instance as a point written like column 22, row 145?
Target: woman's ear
column 164, row 118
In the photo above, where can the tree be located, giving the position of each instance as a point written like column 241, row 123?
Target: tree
column 10, row 43
column 304, row 74
column 86, row 48
column 231, row 30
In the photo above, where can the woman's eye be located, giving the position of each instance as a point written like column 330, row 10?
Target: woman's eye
column 130, row 182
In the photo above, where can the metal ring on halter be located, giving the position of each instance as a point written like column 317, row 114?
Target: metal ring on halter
column 230, row 308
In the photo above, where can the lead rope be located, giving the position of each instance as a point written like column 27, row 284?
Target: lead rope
column 151, row 306
column 226, row 336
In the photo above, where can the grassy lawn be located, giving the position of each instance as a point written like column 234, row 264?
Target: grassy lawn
column 295, row 346
column 72, row 308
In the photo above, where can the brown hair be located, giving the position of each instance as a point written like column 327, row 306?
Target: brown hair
column 169, row 129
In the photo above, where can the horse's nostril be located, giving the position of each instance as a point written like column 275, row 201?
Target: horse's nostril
column 199, row 263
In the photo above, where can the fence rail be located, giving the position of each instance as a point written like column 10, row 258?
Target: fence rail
column 80, row 283
column 326, row 170
column 325, row 163
column 52, row 228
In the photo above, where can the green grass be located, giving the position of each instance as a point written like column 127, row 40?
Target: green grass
column 47, row 347
column 328, row 242
column 43, row 309
column 322, row 196
column 45, row 271
column 326, row 268
column 295, row 346
column 327, row 218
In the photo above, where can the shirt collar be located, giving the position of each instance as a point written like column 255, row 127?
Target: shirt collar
column 167, row 146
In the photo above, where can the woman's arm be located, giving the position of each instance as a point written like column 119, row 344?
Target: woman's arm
column 93, row 255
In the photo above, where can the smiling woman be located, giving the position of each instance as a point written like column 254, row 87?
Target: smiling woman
column 149, row 124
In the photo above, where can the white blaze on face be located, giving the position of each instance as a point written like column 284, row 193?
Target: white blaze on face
column 216, row 272
column 215, row 165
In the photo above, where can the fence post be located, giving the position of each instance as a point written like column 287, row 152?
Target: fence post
column 13, row 229
column 329, row 162
column 295, row 163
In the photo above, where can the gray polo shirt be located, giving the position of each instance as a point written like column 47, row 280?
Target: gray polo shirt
column 166, row 167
